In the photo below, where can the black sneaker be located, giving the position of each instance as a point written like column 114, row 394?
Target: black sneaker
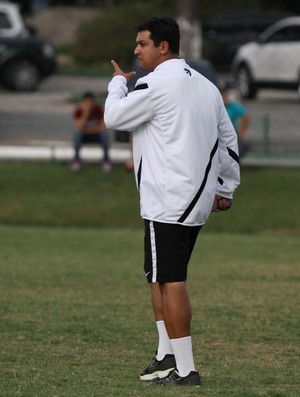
column 159, row 369
column 192, row 379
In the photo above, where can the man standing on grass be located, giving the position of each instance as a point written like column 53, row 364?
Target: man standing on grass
column 186, row 165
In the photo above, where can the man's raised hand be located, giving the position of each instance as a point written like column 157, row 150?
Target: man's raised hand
column 119, row 72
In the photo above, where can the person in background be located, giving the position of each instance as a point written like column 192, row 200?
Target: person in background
column 186, row 165
column 239, row 117
column 89, row 123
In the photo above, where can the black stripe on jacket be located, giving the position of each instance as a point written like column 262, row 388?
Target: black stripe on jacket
column 233, row 155
column 141, row 87
column 198, row 194
column 139, row 174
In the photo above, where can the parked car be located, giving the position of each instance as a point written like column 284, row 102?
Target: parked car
column 272, row 61
column 224, row 33
column 25, row 59
column 11, row 21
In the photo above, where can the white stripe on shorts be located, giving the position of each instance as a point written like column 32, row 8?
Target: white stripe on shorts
column 153, row 251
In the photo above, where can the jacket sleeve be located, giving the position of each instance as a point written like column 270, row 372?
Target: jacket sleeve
column 126, row 112
column 229, row 169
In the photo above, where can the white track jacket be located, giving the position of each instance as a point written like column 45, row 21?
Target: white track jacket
column 184, row 145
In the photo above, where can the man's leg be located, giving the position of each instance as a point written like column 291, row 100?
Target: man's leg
column 156, row 301
column 163, row 362
column 177, row 315
column 77, row 140
column 103, row 137
column 164, row 343
column 176, row 309
column 171, row 303
column 77, row 145
column 104, row 142
column 167, row 252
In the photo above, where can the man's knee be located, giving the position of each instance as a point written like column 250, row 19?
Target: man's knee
column 77, row 137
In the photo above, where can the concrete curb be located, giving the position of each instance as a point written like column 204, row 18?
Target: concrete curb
column 271, row 162
column 60, row 151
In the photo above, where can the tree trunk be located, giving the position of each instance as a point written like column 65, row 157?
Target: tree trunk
column 190, row 30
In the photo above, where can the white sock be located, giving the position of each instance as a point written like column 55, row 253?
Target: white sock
column 164, row 344
column 183, row 352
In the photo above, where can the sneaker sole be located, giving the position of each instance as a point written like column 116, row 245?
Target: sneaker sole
column 156, row 375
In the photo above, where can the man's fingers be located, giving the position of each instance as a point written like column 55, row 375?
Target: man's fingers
column 114, row 63
column 115, row 66
column 224, row 204
column 119, row 72
column 215, row 206
column 130, row 75
column 221, row 204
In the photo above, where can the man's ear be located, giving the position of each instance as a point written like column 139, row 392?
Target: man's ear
column 164, row 47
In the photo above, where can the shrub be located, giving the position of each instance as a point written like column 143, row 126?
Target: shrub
column 111, row 35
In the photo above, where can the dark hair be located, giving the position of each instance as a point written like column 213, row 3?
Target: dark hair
column 88, row 94
column 162, row 29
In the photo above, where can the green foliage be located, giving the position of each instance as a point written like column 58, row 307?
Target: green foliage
column 111, row 35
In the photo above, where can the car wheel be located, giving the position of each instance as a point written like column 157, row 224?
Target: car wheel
column 245, row 85
column 21, row 75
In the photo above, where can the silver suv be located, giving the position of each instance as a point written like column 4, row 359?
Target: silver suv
column 272, row 61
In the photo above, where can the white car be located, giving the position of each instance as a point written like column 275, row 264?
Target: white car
column 273, row 61
column 11, row 22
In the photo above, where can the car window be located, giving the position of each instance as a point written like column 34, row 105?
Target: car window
column 287, row 34
column 4, row 21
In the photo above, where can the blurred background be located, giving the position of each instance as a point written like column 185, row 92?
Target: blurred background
column 77, row 27
column 74, row 41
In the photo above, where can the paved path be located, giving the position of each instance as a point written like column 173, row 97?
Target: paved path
column 41, row 122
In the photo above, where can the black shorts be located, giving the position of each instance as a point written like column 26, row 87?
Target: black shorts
column 168, row 248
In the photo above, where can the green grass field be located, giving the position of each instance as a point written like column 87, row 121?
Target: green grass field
column 75, row 308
